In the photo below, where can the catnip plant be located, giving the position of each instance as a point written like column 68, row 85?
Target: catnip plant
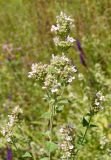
column 54, row 78
column 7, row 130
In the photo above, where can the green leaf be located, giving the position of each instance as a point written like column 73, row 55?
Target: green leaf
column 45, row 158
column 27, row 154
column 45, row 97
column 85, row 122
column 60, row 108
column 65, row 101
column 50, row 146
column 46, row 115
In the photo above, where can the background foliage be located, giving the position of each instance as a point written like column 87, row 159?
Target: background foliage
column 25, row 27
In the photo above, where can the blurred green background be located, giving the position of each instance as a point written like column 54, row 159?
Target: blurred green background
column 25, row 38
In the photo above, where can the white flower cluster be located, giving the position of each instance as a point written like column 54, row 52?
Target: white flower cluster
column 103, row 142
column 62, row 19
column 68, row 139
column 59, row 72
column 70, row 39
column 38, row 70
column 7, row 131
column 98, row 102
column 64, row 44
column 62, row 30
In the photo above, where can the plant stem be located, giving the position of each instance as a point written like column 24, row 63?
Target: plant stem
column 86, row 130
column 85, row 133
column 51, row 128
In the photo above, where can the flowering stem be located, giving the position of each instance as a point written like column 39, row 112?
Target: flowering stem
column 85, row 133
column 51, row 128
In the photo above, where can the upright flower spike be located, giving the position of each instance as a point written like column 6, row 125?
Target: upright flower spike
column 57, row 75
column 98, row 101
column 7, row 130
column 67, row 145
column 62, row 31
column 81, row 53
column 9, row 154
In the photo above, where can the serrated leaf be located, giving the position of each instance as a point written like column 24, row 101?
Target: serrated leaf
column 85, row 122
column 27, row 155
column 50, row 146
column 46, row 115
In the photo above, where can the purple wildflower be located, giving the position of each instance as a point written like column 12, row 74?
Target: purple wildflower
column 9, row 154
column 82, row 59
column 82, row 55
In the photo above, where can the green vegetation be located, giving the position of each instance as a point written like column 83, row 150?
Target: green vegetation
column 26, row 38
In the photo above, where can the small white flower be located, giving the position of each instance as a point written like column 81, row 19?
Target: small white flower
column 8, row 139
column 102, row 98
column 53, row 56
column 56, row 40
column 58, row 84
column 68, row 154
column 70, row 39
column 61, row 130
column 34, row 66
column 55, row 28
column 71, row 79
column 97, row 103
column 65, row 58
column 30, row 74
column 3, row 132
column 71, row 147
column 63, row 146
column 74, row 69
column 99, row 94
column 53, row 90
column 68, row 138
